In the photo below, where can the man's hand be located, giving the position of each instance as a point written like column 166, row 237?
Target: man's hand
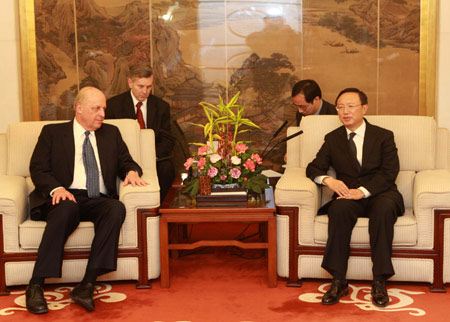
column 337, row 186
column 134, row 179
column 355, row 194
column 62, row 194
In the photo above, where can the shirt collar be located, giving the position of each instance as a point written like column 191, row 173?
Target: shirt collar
column 135, row 100
column 79, row 130
column 320, row 107
column 360, row 131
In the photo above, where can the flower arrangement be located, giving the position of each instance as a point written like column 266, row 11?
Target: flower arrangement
column 229, row 161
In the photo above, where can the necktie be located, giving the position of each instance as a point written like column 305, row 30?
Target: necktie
column 352, row 146
column 91, row 168
column 139, row 116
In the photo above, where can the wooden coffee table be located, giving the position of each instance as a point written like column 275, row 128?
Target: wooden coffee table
column 180, row 209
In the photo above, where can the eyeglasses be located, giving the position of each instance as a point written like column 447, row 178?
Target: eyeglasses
column 351, row 108
column 302, row 107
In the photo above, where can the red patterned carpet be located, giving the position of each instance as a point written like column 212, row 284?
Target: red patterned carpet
column 220, row 287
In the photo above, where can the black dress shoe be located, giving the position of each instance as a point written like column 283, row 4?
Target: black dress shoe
column 35, row 299
column 83, row 295
column 337, row 290
column 380, row 296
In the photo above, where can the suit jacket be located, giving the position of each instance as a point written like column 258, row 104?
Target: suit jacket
column 158, row 118
column 327, row 109
column 379, row 168
column 52, row 162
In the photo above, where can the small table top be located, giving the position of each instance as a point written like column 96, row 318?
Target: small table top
column 175, row 199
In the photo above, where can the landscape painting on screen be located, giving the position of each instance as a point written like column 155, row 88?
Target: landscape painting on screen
column 202, row 49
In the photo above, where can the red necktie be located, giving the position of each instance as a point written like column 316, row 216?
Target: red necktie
column 139, row 116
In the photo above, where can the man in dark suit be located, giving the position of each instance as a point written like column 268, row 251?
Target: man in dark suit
column 365, row 159
column 74, row 168
column 307, row 97
column 151, row 113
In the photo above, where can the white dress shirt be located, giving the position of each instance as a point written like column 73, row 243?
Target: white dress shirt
column 79, row 173
column 143, row 107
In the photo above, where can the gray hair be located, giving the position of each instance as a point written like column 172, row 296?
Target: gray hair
column 140, row 71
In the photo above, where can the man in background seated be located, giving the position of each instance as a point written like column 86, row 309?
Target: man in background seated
column 74, row 168
column 151, row 112
column 365, row 159
column 307, row 97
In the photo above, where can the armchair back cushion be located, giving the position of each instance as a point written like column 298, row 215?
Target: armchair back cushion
column 22, row 138
column 415, row 137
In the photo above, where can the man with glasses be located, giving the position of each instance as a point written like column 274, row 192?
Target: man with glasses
column 307, row 97
column 365, row 159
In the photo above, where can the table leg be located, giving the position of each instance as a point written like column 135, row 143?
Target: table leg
column 164, row 251
column 272, row 252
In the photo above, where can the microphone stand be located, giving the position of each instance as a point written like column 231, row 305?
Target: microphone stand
column 275, row 135
column 281, row 141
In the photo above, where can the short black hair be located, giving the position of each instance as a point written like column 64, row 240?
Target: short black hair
column 309, row 88
column 362, row 95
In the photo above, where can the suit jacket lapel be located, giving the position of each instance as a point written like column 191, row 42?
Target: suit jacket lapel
column 102, row 148
column 151, row 111
column 128, row 104
column 369, row 142
column 68, row 144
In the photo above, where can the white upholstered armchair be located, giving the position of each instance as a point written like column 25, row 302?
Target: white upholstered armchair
column 138, row 257
column 419, row 249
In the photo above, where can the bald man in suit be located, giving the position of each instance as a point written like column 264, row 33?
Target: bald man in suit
column 365, row 159
column 74, row 168
column 152, row 113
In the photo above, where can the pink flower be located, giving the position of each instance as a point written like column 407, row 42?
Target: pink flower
column 201, row 163
column 241, row 148
column 250, row 165
column 202, row 150
column 223, row 177
column 256, row 158
column 212, row 172
column 214, row 158
column 235, row 173
column 188, row 163
column 235, row 160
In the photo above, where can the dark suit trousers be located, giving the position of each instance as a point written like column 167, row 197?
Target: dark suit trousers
column 166, row 175
column 343, row 214
column 107, row 214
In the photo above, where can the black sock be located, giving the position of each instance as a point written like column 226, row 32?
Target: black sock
column 37, row 280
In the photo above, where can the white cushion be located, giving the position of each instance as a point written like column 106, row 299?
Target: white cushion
column 20, row 150
column 30, row 234
column 405, row 231
column 415, row 137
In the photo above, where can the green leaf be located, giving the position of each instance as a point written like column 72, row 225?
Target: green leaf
column 196, row 143
column 233, row 100
column 200, row 125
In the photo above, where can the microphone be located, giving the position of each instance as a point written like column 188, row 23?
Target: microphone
column 275, row 135
column 283, row 140
column 280, row 128
column 287, row 138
